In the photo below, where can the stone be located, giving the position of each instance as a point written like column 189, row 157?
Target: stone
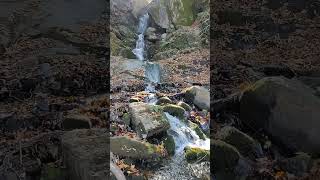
column 196, row 154
column 75, row 120
column 164, row 100
column 83, row 162
column 286, row 109
column 297, row 165
column 224, row 156
column 170, row 145
column 200, row 96
column 132, row 148
column 185, row 106
column 246, row 145
column 175, row 110
column 198, row 130
column 148, row 120
column 134, row 99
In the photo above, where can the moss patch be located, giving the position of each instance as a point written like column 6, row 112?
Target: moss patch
column 196, row 154
column 175, row 110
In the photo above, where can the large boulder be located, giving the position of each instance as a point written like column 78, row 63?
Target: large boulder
column 200, row 96
column 193, row 154
column 84, row 162
column 286, row 109
column 148, row 120
column 178, row 12
column 225, row 157
column 131, row 148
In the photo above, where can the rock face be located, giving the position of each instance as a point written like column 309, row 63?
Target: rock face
column 148, row 120
column 82, row 160
column 199, row 96
column 286, row 109
column 178, row 12
column 131, row 148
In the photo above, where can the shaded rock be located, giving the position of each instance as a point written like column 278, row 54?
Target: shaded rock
column 84, row 162
column 297, row 165
column 199, row 96
column 74, row 120
column 50, row 172
column 185, row 106
column 170, row 145
column 287, row 110
column 134, row 99
column 224, row 156
column 148, row 120
column 127, row 147
column 196, row 154
column 126, row 119
column 174, row 110
column 246, row 145
column 164, row 100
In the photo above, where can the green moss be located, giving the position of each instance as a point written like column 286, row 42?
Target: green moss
column 164, row 100
column 170, row 145
column 127, row 53
column 114, row 44
column 197, row 129
column 126, row 119
column 196, row 154
column 174, row 110
column 224, row 156
column 185, row 106
column 185, row 14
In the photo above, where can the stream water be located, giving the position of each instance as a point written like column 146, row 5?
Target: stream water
column 183, row 135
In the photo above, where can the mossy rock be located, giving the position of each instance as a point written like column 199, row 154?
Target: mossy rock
column 164, row 100
column 170, row 145
column 174, row 110
column 132, row 148
column 127, row 53
column 246, row 145
column 196, row 154
column 126, row 119
column 185, row 106
column 198, row 130
column 224, row 156
column 115, row 44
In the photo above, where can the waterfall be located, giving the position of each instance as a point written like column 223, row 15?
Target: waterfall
column 143, row 24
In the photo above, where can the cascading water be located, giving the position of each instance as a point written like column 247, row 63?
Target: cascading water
column 177, row 167
column 143, row 24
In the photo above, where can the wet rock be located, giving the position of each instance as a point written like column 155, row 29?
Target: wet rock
column 164, row 100
column 196, row 154
column 148, row 120
column 185, row 106
column 198, row 130
column 287, row 110
column 224, row 156
column 170, row 145
column 297, row 165
column 200, row 96
column 127, row 53
column 75, row 120
column 246, row 145
column 174, row 110
column 82, row 161
column 128, row 147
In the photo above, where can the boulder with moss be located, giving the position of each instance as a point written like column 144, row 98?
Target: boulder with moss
column 169, row 144
column 175, row 110
column 124, row 146
column 198, row 130
column 148, row 120
column 199, row 96
column 164, row 100
column 185, row 106
column 246, row 145
column 225, row 157
column 193, row 154
column 286, row 109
